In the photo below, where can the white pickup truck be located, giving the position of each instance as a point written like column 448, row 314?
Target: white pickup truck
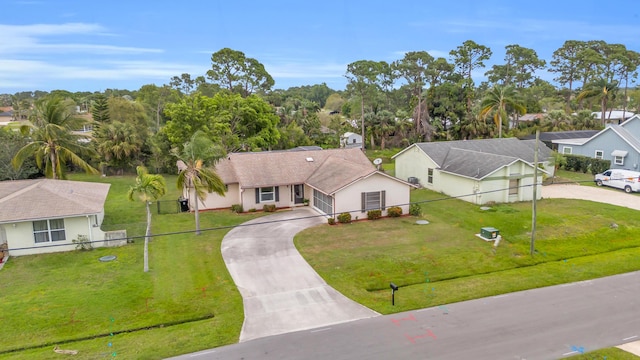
column 627, row 180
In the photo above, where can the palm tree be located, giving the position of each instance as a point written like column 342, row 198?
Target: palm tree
column 148, row 187
column 118, row 143
column 496, row 102
column 194, row 173
column 603, row 91
column 52, row 141
column 556, row 120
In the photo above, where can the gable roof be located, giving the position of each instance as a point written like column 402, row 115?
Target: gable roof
column 558, row 135
column 25, row 200
column 479, row 158
column 335, row 173
column 273, row 168
column 474, row 164
column 620, row 130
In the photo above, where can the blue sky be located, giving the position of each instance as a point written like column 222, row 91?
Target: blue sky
column 96, row 45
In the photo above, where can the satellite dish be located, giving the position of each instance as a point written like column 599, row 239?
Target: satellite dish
column 377, row 161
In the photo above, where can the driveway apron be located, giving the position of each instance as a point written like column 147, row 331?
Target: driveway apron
column 280, row 290
column 602, row 195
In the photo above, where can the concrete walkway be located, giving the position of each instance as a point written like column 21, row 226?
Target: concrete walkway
column 603, row 195
column 280, row 291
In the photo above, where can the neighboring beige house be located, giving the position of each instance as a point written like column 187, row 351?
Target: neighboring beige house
column 45, row 215
column 478, row 171
column 334, row 181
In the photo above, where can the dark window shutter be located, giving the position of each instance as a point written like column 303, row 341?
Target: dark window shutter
column 383, row 199
column 364, row 199
column 257, row 195
column 277, row 193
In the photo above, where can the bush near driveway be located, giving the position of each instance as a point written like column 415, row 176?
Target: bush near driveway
column 445, row 262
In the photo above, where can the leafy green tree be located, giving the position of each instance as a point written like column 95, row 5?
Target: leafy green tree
column 232, row 70
column 235, row 122
column 519, row 68
column 334, row 102
column 154, row 98
column 53, row 142
column 148, row 187
column 160, row 152
column 183, row 83
column 496, row 102
column 566, row 64
column 10, row 142
column 195, row 161
column 414, row 68
column 468, row 57
column 361, row 76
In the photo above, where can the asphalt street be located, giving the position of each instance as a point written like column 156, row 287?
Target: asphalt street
column 546, row 323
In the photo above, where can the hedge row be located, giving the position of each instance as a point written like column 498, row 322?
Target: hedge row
column 586, row 164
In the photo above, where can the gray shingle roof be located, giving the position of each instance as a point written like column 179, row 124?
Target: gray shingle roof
column 262, row 169
column 479, row 158
column 24, row 200
column 627, row 136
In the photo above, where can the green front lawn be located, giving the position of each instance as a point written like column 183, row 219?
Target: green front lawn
column 187, row 302
column 605, row 354
column 444, row 262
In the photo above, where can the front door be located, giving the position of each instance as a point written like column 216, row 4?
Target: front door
column 298, row 193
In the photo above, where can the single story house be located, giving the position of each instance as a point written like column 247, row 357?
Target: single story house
column 548, row 137
column 613, row 116
column 332, row 181
column 618, row 143
column 46, row 215
column 351, row 140
column 478, row 171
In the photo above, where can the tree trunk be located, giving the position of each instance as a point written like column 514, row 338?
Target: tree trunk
column 500, row 124
column 419, row 119
column 146, row 238
column 197, row 214
column 362, row 118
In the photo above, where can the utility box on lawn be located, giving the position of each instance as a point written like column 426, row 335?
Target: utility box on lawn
column 489, row 232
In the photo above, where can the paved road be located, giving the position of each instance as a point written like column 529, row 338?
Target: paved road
column 280, row 291
column 547, row 323
column 603, row 195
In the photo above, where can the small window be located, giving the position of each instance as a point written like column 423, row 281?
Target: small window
column 373, row 200
column 267, row 194
column 599, row 154
column 618, row 160
column 514, row 186
column 567, row 150
column 430, row 176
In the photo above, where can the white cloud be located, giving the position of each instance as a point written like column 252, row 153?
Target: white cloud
column 35, row 74
column 30, row 39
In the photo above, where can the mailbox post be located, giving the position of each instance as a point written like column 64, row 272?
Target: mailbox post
column 394, row 288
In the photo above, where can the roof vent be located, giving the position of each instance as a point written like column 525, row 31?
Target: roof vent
column 309, row 159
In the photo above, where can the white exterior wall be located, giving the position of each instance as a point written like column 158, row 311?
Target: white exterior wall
column 493, row 188
column 215, row 201
column 284, row 198
column 349, row 199
column 20, row 235
column 415, row 163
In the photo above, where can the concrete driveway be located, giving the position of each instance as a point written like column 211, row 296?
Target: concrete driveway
column 280, row 290
column 597, row 194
